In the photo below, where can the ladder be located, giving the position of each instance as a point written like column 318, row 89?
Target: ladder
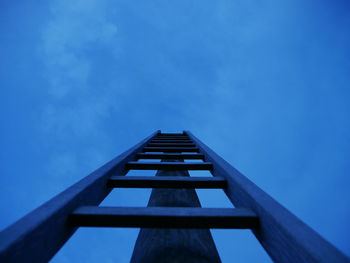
column 40, row 234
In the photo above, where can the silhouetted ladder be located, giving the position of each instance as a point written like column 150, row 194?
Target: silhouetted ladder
column 40, row 234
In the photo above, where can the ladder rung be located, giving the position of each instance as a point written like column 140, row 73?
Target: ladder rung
column 164, row 217
column 171, row 141
column 171, row 134
column 170, row 156
column 170, row 149
column 167, row 182
column 171, row 145
column 171, row 138
column 168, row 166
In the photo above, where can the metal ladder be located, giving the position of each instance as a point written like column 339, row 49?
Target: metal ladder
column 40, row 234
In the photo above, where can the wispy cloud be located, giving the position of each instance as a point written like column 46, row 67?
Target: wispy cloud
column 71, row 41
column 256, row 80
column 76, row 30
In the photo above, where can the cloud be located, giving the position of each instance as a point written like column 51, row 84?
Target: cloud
column 72, row 41
column 253, row 79
column 74, row 30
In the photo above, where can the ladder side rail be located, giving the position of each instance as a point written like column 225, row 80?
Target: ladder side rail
column 37, row 236
column 284, row 236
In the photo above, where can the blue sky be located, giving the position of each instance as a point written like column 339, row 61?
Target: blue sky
column 264, row 83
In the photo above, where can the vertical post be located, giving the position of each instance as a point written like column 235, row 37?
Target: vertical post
column 174, row 245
